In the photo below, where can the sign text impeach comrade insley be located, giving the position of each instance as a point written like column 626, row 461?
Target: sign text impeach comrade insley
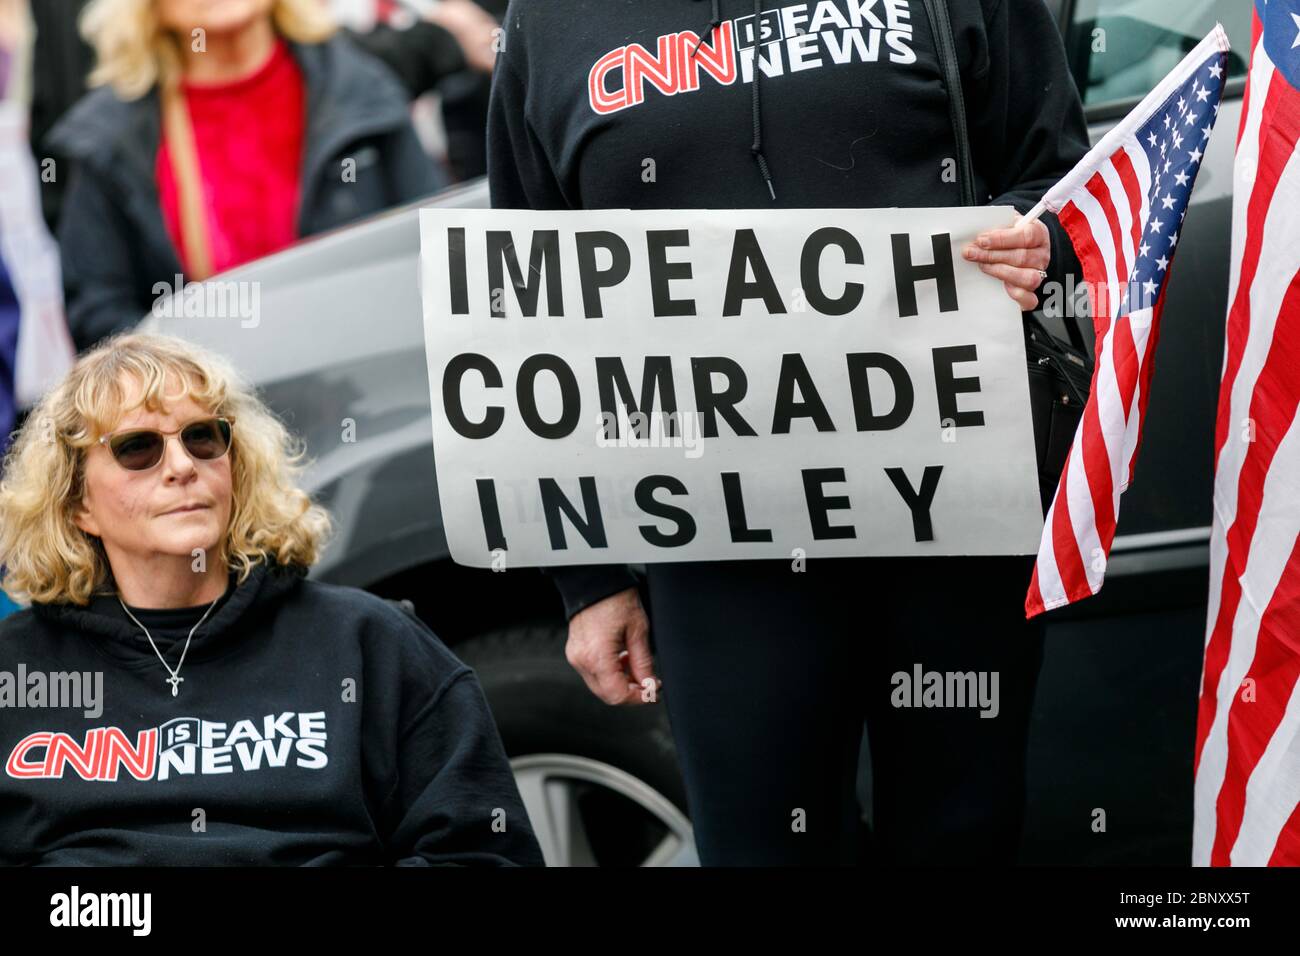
column 619, row 386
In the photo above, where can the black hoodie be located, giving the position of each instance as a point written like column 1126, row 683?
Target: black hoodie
column 315, row 724
column 602, row 104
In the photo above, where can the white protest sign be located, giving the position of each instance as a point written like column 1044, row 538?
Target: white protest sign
column 613, row 386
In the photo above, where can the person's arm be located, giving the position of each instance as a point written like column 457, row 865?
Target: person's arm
column 520, row 177
column 95, row 245
column 609, row 633
column 455, row 802
column 421, row 56
column 1027, row 126
column 519, row 172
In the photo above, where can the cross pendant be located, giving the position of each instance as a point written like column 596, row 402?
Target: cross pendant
column 175, row 682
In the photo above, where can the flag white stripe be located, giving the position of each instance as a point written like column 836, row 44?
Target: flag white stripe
column 1270, row 549
column 1099, row 226
column 1273, row 791
column 1050, row 586
column 1140, row 329
column 1279, row 261
column 1225, row 481
column 1110, row 417
column 1142, row 169
column 1119, row 199
column 1261, row 76
column 1227, row 470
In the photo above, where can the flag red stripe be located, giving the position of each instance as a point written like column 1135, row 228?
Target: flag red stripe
column 1133, row 190
column 1065, row 547
column 1096, row 465
column 1034, row 599
column 1287, row 850
column 1123, row 348
column 1101, row 192
column 1279, row 130
column 1251, row 724
column 1125, row 357
column 1094, row 452
column 1272, row 408
column 1076, row 226
column 1276, row 381
column 1282, row 105
column 1145, row 373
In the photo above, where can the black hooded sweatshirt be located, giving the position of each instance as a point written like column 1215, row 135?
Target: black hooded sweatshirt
column 605, row 104
column 314, row 724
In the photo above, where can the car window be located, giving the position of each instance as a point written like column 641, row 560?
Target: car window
column 1120, row 49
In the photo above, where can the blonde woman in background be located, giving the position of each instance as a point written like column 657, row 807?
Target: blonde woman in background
column 224, row 130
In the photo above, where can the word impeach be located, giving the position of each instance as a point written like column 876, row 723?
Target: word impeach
column 749, row 277
column 842, row 361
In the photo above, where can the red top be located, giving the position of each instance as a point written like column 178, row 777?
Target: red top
column 248, row 134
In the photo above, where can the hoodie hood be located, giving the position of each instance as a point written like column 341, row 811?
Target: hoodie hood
column 118, row 636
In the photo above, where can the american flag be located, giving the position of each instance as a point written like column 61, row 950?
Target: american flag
column 1123, row 208
column 1248, row 728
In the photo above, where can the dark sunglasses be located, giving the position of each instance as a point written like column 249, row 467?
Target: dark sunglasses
column 139, row 449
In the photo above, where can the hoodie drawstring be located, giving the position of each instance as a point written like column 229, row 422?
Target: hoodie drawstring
column 717, row 18
column 756, row 148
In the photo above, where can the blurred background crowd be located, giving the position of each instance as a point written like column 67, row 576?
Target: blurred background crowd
column 146, row 140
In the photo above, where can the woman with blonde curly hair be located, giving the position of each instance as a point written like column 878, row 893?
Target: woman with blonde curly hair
column 151, row 515
column 224, row 131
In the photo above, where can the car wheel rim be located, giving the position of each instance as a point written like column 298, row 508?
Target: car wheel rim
column 575, row 805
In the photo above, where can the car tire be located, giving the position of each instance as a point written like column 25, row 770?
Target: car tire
column 621, row 760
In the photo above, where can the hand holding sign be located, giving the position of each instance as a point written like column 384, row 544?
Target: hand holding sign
column 1018, row 256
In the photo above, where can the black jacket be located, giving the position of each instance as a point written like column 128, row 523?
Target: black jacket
column 854, row 114
column 315, row 724
column 112, row 238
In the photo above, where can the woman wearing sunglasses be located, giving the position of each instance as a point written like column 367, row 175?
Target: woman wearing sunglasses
column 180, row 693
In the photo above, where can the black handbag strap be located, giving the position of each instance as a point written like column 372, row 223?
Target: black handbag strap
column 946, row 49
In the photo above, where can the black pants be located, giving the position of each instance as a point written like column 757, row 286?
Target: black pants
column 770, row 674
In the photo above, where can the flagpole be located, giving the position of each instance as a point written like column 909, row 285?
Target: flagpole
column 1032, row 215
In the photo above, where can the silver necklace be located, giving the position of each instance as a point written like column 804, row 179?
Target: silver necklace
column 174, row 679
